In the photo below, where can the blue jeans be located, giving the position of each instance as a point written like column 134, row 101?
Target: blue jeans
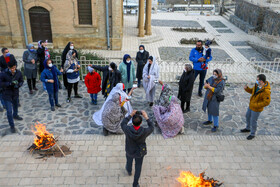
column 252, row 121
column 202, row 74
column 12, row 110
column 1, row 100
column 53, row 96
column 216, row 120
column 138, row 168
column 139, row 82
column 93, row 97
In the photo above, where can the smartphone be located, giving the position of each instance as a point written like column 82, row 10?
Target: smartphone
column 128, row 97
column 206, row 81
column 135, row 86
column 156, row 81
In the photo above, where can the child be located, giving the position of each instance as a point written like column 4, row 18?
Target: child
column 93, row 82
column 206, row 53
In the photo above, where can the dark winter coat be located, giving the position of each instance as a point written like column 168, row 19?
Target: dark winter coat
column 47, row 75
column 135, row 138
column 10, row 92
column 141, row 59
column 30, row 69
column 93, row 83
column 213, row 106
column 4, row 64
column 41, row 58
column 186, row 86
column 113, row 77
column 64, row 53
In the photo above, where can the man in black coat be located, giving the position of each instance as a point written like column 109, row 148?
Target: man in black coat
column 5, row 59
column 141, row 59
column 186, row 87
column 111, row 76
column 68, row 47
column 11, row 80
column 41, row 54
column 135, row 142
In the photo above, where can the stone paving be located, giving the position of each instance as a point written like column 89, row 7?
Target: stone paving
column 100, row 161
column 76, row 117
column 175, row 23
column 252, row 53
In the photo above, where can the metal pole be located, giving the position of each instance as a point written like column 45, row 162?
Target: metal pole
column 107, row 25
column 23, row 22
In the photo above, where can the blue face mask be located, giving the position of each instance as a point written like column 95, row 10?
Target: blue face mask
column 8, row 54
column 257, row 82
column 31, row 50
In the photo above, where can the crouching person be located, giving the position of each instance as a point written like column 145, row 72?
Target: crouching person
column 135, row 142
column 11, row 80
column 49, row 77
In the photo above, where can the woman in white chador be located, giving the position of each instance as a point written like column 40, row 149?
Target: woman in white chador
column 150, row 75
column 97, row 116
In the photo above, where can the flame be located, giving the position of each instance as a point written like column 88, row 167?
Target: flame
column 187, row 179
column 43, row 139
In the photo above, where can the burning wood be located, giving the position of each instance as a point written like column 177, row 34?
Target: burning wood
column 187, row 179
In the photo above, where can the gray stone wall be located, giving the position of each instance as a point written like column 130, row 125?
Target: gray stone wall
column 271, row 23
column 270, row 53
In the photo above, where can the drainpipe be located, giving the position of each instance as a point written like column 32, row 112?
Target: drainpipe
column 23, row 22
column 107, row 25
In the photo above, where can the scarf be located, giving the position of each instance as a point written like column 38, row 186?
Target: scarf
column 216, row 82
column 128, row 66
column 53, row 70
column 136, row 128
column 70, row 60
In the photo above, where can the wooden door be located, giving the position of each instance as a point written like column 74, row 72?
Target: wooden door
column 40, row 24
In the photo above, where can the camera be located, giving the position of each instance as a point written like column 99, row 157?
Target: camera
column 139, row 112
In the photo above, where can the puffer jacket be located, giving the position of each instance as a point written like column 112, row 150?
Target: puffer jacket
column 259, row 99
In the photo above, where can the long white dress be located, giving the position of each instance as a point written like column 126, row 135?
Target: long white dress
column 148, row 83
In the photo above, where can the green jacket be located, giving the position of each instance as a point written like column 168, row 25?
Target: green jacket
column 122, row 68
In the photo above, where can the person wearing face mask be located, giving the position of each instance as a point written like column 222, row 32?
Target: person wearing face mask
column 30, row 67
column 50, row 77
column 141, row 59
column 111, row 77
column 6, row 58
column 186, row 87
column 200, row 64
column 93, row 83
column 260, row 98
column 127, row 70
column 11, row 80
column 69, row 46
column 41, row 55
column 214, row 86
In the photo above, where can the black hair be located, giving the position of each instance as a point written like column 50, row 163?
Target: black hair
column 199, row 41
column 151, row 58
column 136, row 120
column 262, row 77
column 11, row 64
column 113, row 65
column 216, row 71
column 4, row 49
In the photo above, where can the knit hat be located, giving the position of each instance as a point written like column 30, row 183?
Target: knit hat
column 208, row 43
column 90, row 69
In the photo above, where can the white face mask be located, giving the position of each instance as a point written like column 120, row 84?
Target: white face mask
column 110, row 69
column 71, row 47
column 214, row 76
column 50, row 65
column 127, row 61
column 141, row 51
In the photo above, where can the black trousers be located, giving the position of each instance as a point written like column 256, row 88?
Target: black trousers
column 65, row 82
column 183, row 105
column 70, row 86
column 31, row 82
column 138, row 168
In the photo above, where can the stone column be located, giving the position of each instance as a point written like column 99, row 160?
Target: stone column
column 148, row 17
column 141, row 19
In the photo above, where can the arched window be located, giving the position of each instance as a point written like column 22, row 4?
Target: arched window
column 84, row 11
column 40, row 24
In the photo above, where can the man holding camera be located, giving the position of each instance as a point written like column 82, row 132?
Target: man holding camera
column 135, row 145
column 11, row 80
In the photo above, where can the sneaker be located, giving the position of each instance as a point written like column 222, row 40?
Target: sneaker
column 13, row 130
column 68, row 100
column 78, row 96
column 52, row 108
column 245, row 130
column 95, row 102
column 250, row 137
column 207, row 123
column 18, row 118
column 105, row 132
column 187, row 110
column 214, row 129
column 151, row 104
column 129, row 173
column 30, row 92
column 200, row 94
column 58, row 105
column 35, row 89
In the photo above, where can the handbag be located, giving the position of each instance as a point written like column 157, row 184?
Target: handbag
column 220, row 98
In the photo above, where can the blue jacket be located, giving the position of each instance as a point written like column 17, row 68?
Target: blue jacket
column 47, row 75
column 73, row 75
column 194, row 56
